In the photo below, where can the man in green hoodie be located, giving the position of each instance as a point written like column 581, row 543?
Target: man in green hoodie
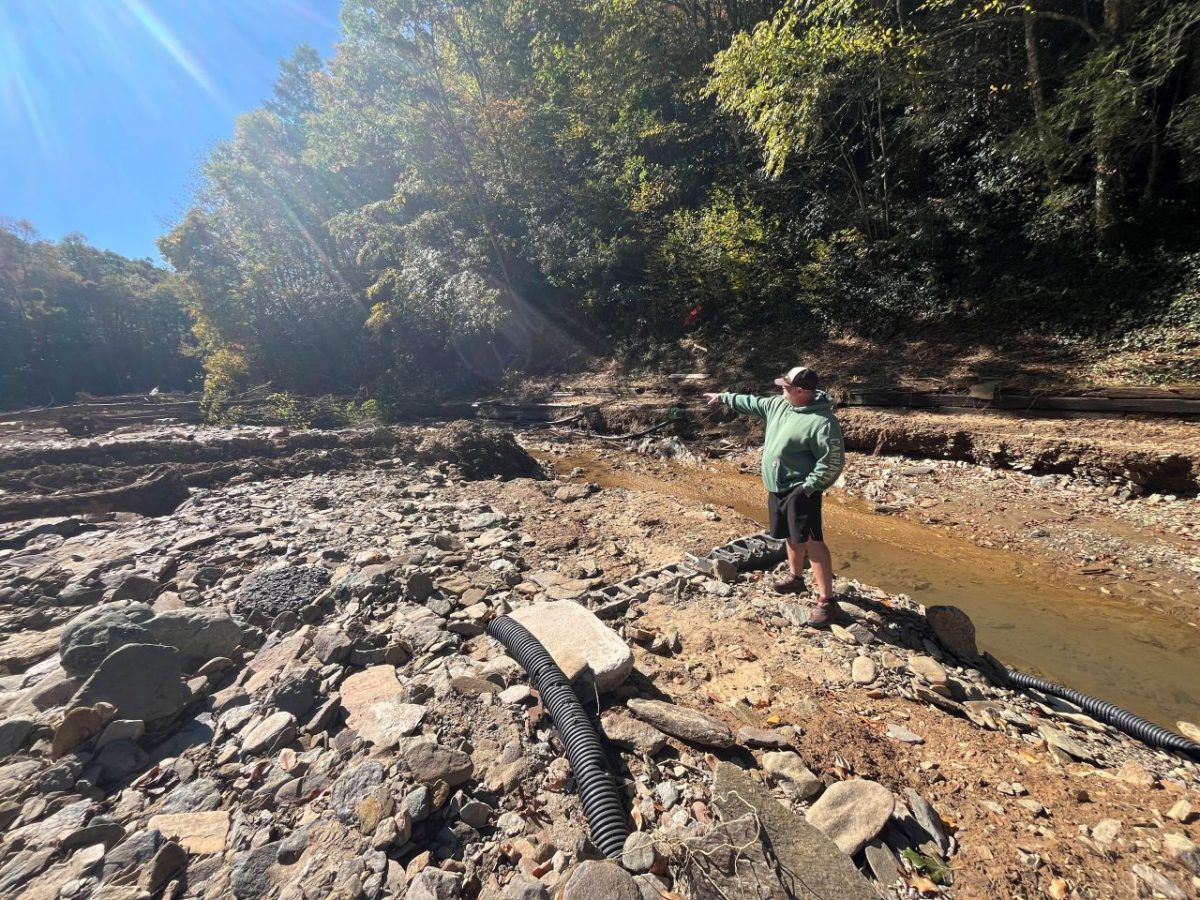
column 803, row 454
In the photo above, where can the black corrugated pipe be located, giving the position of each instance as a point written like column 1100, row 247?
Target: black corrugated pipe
column 1110, row 713
column 597, row 786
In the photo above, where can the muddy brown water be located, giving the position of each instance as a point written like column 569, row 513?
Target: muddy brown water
column 1029, row 613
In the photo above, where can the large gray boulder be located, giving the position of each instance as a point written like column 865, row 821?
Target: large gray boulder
column 143, row 681
column 198, row 634
column 95, row 633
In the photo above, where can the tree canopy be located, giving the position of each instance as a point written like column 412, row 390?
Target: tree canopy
column 466, row 188
column 74, row 318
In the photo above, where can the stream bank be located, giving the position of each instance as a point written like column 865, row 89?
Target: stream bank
column 1029, row 611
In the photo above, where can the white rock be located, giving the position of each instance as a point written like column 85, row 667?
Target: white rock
column 567, row 631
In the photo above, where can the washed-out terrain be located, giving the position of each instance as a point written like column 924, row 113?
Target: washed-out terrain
column 283, row 688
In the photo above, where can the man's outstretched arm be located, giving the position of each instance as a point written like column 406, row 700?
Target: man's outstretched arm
column 743, row 403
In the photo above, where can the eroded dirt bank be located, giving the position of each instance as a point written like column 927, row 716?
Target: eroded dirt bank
column 353, row 734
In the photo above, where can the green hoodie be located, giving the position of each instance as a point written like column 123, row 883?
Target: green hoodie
column 803, row 445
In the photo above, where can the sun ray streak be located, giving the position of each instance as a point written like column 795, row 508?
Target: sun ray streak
column 169, row 42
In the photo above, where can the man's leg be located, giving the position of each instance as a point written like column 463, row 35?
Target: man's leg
column 795, row 556
column 822, row 566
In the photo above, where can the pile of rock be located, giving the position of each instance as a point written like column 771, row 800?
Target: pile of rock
column 305, row 704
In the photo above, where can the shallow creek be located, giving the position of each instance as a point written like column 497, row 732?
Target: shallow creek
column 1027, row 611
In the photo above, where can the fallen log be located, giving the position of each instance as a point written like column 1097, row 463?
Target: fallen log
column 157, row 495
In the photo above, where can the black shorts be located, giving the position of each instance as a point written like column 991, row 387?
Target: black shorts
column 795, row 515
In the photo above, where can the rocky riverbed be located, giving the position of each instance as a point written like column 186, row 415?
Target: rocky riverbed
column 283, row 689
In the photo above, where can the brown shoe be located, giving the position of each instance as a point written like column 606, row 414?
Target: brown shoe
column 822, row 613
column 793, row 584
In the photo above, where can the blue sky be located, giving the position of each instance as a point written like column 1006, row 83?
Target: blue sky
column 108, row 107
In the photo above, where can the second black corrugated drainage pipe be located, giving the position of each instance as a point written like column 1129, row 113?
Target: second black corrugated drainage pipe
column 1130, row 723
column 598, row 789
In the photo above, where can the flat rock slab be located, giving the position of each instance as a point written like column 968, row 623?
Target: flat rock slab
column 1066, row 744
column 196, row 832
column 20, row 651
column 852, row 812
column 632, row 734
column 568, row 631
column 375, row 708
column 558, row 587
column 730, row 863
column 275, row 731
column 928, row 818
column 143, row 681
column 685, row 724
column 810, row 864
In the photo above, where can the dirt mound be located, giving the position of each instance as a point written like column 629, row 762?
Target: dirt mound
column 480, row 453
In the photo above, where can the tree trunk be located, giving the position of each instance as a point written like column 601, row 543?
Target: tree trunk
column 1033, row 67
column 1106, row 198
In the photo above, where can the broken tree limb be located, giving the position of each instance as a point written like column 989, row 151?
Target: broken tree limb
column 157, row 495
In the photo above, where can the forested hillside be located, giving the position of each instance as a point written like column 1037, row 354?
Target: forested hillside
column 74, row 318
column 465, row 186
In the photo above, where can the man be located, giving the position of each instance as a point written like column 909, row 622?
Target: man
column 803, row 454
